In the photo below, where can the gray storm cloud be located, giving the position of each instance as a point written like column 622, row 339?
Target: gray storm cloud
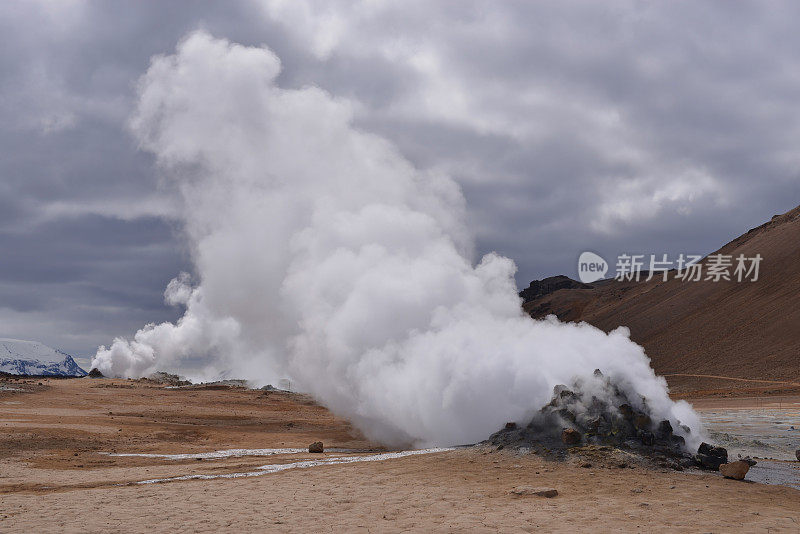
column 323, row 255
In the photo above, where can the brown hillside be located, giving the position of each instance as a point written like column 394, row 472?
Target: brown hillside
column 737, row 329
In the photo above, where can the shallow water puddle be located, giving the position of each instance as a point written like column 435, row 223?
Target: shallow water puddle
column 776, row 473
column 275, row 468
column 763, row 432
column 215, row 455
column 770, row 433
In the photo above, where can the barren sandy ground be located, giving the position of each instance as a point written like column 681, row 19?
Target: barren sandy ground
column 53, row 477
column 695, row 387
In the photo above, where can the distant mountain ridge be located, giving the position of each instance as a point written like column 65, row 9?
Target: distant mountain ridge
column 31, row 358
column 729, row 328
column 540, row 288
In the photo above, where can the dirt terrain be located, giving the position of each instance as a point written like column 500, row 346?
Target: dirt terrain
column 748, row 329
column 696, row 386
column 54, row 474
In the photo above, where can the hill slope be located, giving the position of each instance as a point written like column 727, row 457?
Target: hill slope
column 18, row 357
column 739, row 329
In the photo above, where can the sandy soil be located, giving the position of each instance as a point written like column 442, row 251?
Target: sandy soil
column 695, row 387
column 54, row 477
column 746, row 402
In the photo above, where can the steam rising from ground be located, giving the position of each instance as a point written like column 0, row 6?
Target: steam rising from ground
column 322, row 254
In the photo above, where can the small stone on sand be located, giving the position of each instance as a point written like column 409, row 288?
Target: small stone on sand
column 539, row 492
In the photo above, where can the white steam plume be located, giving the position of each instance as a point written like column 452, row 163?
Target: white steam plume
column 322, row 254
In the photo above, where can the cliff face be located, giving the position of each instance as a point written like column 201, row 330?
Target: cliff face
column 741, row 329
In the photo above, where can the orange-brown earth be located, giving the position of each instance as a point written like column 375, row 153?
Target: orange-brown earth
column 697, row 332
column 54, row 477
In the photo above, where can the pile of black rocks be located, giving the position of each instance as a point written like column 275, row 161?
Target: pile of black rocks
column 583, row 415
column 710, row 457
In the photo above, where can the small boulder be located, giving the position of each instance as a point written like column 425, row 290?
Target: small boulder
column 735, row 470
column 710, row 457
column 706, row 461
column 570, row 436
column 719, row 452
column 530, row 490
column 316, row 447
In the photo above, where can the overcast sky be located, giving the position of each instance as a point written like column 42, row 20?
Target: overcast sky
column 608, row 126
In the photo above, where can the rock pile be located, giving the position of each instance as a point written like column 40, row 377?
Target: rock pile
column 167, row 379
column 597, row 413
column 587, row 415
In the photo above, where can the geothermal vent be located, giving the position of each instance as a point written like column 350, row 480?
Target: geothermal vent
column 598, row 412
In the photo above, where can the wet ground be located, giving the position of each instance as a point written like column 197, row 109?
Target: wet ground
column 768, row 430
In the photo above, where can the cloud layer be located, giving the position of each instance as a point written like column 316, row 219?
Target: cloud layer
column 635, row 127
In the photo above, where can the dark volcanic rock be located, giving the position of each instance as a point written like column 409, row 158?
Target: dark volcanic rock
column 595, row 411
column 570, row 436
column 720, row 452
column 664, row 429
column 678, row 440
column 706, row 461
column 648, row 438
column 711, row 457
column 540, row 288
column 643, row 422
column 95, row 373
column 316, row 447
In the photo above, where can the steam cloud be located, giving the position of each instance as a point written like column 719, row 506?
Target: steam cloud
column 322, row 254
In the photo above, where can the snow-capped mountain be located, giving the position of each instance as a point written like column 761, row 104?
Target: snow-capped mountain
column 18, row 357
